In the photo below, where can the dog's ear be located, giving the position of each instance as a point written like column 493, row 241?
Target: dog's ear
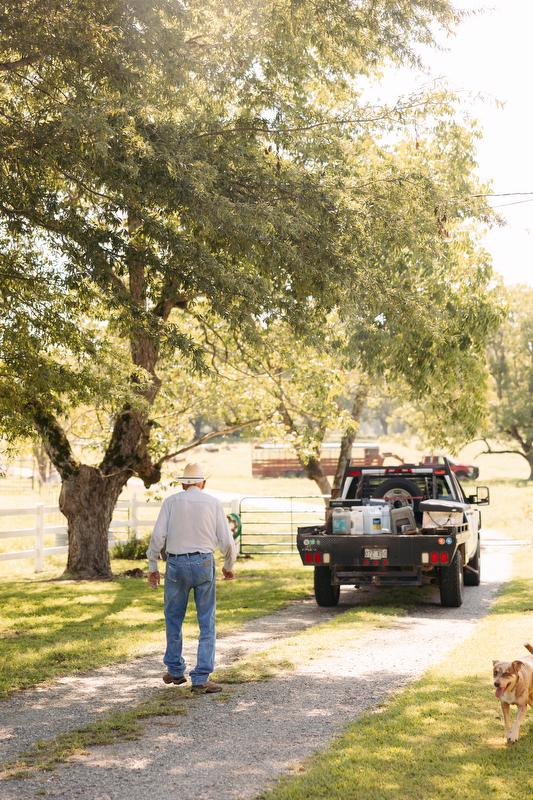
column 516, row 666
column 494, row 663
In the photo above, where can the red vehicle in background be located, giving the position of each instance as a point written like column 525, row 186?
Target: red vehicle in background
column 467, row 471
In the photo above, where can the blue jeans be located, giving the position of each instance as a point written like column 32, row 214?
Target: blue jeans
column 183, row 573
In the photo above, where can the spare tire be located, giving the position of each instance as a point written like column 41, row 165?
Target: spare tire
column 403, row 489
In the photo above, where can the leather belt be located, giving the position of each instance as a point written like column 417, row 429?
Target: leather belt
column 186, row 555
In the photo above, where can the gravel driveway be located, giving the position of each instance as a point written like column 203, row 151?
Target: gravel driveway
column 234, row 749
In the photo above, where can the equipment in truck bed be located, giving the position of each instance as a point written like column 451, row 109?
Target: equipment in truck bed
column 427, row 531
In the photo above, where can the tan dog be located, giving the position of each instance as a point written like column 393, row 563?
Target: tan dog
column 514, row 686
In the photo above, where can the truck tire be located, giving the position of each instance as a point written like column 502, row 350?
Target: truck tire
column 400, row 490
column 451, row 583
column 471, row 578
column 325, row 594
column 403, row 486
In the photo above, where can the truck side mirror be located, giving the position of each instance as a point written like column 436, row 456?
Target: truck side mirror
column 481, row 497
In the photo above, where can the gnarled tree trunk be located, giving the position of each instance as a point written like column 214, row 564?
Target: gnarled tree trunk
column 88, row 500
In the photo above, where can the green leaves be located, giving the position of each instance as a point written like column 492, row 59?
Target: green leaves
column 511, row 366
column 156, row 157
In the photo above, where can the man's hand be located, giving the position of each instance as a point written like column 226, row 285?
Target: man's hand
column 228, row 574
column 154, row 579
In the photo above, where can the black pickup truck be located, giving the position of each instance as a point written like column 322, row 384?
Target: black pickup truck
column 397, row 526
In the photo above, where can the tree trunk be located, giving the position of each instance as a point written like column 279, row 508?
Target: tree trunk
column 88, row 500
column 349, row 438
column 42, row 461
column 529, row 459
column 314, row 471
column 383, row 421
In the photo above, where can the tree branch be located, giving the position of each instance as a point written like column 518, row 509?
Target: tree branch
column 55, row 441
column 398, row 109
column 490, row 450
column 208, row 436
column 11, row 66
column 515, row 434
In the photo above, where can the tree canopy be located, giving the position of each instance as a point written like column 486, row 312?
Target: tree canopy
column 159, row 159
column 511, row 367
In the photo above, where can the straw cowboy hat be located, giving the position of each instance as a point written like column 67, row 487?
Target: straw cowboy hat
column 193, row 473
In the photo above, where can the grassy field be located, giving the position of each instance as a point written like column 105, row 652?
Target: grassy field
column 442, row 737
column 50, row 628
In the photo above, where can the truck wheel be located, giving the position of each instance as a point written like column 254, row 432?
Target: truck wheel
column 325, row 593
column 451, row 583
column 402, row 488
column 471, row 578
column 400, row 491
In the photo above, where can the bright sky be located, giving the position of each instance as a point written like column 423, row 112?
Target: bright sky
column 492, row 55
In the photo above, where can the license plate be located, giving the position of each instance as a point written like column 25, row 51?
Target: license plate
column 375, row 554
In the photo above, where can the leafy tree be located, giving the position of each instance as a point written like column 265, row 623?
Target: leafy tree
column 417, row 313
column 153, row 154
column 510, row 356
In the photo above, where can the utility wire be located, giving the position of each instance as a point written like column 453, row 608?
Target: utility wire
column 515, row 203
column 503, row 194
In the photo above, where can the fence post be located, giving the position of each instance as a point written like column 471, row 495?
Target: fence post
column 134, row 516
column 39, row 537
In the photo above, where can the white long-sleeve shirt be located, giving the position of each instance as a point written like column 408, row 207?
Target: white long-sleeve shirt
column 191, row 521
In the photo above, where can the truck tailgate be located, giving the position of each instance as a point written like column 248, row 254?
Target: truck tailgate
column 381, row 549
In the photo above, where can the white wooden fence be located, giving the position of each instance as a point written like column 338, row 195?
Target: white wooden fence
column 131, row 525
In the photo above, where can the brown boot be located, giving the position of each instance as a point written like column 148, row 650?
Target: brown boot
column 168, row 678
column 206, row 688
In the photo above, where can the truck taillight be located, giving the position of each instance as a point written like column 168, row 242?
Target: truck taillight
column 308, row 558
column 313, row 558
column 436, row 558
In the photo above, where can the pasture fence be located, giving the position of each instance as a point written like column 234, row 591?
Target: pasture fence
column 261, row 525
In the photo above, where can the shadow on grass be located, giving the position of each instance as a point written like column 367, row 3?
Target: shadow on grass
column 50, row 629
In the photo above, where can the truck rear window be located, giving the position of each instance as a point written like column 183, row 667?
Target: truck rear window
column 368, row 486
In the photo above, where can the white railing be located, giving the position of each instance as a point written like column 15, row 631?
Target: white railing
column 39, row 530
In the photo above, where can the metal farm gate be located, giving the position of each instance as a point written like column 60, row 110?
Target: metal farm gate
column 269, row 524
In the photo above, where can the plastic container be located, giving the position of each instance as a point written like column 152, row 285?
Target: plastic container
column 358, row 519
column 376, row 519
column 341, row 521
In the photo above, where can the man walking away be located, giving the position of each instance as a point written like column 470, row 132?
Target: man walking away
column 191, row 524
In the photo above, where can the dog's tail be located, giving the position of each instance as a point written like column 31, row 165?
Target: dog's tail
column 529, row 647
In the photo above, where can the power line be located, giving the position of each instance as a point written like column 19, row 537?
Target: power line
column 515, row 203
column 503, row 194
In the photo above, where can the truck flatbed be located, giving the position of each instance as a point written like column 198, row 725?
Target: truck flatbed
column 435, row 550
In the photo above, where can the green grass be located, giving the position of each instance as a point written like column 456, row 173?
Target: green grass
column 442, row 737
column 55, row 627
column 511, row 508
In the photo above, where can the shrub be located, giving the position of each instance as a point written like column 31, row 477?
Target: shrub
column 132, row 549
